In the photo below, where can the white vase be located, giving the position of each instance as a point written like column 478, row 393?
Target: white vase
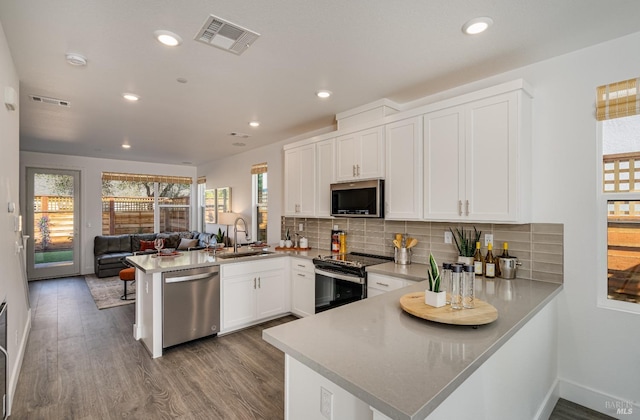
column 288, row 243
column 435, row 299
column 465, row 260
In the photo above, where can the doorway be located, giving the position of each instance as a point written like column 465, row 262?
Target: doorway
column 52, row 220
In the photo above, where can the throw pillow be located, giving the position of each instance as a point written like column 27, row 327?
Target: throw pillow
column 187, row 243
column 146, row 245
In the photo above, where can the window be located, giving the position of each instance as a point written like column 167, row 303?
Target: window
column 134, row 203
column 260, row 201
column 618, row 109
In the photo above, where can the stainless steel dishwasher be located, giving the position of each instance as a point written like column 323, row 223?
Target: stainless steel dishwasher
column 190, row 305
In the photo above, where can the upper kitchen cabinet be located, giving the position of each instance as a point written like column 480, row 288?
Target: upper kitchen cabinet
column 300, row 181
column 325, row 175
column 403, row 181
column 360, row 155
column 477, row 160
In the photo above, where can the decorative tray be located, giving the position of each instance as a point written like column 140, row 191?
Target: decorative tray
column 169, row 254
column 482, row 313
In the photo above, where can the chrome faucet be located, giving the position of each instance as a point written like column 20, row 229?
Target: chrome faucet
column 235, row 232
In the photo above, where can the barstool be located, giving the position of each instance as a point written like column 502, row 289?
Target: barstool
column 127, row 274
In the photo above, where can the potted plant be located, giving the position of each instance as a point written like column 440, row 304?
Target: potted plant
column 466, row 243
column 287, row 239
column 434, row 296
column 220, row 237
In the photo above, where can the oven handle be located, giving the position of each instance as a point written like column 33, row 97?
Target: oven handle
column 352, row 279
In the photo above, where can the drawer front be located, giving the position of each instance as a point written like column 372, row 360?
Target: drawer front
column 302, row 265
column 248, row 267
column 384, row 283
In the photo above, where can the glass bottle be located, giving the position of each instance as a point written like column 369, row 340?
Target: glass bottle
column 445, row 282
column 489, row 263
column 456, row 286
column 478, row 260
column 468, row 293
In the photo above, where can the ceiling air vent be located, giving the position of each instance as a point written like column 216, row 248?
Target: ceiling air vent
column 50, row 101
column 225, row 35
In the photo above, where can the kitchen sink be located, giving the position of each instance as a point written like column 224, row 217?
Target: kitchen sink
column 225, row 256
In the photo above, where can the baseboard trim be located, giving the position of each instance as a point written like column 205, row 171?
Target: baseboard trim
column 549, row 402
column 598, row 401
column 15, row 372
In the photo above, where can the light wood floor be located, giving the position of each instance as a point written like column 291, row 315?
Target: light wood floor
column 83, row 363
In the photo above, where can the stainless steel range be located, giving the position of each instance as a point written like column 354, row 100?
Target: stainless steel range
column 342, row 278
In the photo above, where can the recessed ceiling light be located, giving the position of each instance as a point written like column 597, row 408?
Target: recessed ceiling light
column 76, row 59
column 323, row 94
column 168, row 38
column 131, row 97
column 126, row 146
column 477, row 25
column 254, row 124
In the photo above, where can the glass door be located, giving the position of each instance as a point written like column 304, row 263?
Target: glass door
column 52, row 220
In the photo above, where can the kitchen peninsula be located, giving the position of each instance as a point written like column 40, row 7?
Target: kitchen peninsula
column 371, row 356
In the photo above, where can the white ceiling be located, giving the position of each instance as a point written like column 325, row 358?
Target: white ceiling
column 361, row 50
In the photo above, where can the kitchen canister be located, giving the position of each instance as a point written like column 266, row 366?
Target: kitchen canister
column 403, row 256
column 508, row 267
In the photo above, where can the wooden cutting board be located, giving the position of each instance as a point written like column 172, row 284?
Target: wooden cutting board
column 483, row 313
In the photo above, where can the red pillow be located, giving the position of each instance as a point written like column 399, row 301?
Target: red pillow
column 146, row 245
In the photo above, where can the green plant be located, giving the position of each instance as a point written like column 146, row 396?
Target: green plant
column 43, row 225
column 434, row 275
column 466, row 241
column 219, row 236
column 287, row 235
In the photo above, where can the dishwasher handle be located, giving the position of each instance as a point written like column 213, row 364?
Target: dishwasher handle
column 168, row 280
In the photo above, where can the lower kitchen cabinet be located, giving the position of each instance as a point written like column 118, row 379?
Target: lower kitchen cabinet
column 303, row 287
column 378, row 284
column 252, row 292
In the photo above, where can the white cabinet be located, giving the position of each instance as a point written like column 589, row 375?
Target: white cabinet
column 477, row 160
column 253, row 291
column 360, row 155
column 325, row 175
column 299, row 181
column 303, row 287
column 378, row 284
column 403, row 185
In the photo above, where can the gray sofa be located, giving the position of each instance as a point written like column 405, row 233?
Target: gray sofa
column 110, row 250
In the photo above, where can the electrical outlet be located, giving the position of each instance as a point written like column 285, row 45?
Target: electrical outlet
column 300, row 227
column 448, row 238
column 488, row 239
column 326, row 403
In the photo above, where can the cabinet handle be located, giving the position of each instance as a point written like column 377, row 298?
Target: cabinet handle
column 254, row 282
column 467, row 207
column 382, row 284
column 358, row 170
column 302, row 275
column 302, row 265
column 259, row 284
column 353, row 170
column 459, row 207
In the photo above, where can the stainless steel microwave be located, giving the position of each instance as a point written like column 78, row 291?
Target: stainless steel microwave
column 358, row 199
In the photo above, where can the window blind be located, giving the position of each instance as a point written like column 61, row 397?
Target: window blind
column 114, row 176
column 616, row 100
column 259, row 168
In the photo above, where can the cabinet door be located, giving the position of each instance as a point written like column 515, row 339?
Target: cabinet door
column 291, row 181
column 306, row 174
column 370, row 163
column 271, row 291
column 326, row 175
column 444, row 182
column 491, row 158
column 239, row 301
column 403, row 182
column 346, row 157
column 303, row 293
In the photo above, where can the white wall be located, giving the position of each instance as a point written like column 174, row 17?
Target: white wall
column 11, row 278
column 91, row 170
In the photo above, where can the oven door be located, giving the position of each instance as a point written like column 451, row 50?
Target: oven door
column 337, row 289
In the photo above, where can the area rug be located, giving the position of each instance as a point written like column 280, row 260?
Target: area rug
column 106, row 291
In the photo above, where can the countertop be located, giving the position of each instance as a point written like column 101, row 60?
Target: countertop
column 399, row 364
column 413, row 272
column 150, row 263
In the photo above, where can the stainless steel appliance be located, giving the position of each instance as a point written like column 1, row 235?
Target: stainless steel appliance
column 190, row 305
column 342, row 278
column 358, row 199
column 3, row 357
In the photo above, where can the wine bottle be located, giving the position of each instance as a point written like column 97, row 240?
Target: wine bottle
column 478, row 261
column 489, row 263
